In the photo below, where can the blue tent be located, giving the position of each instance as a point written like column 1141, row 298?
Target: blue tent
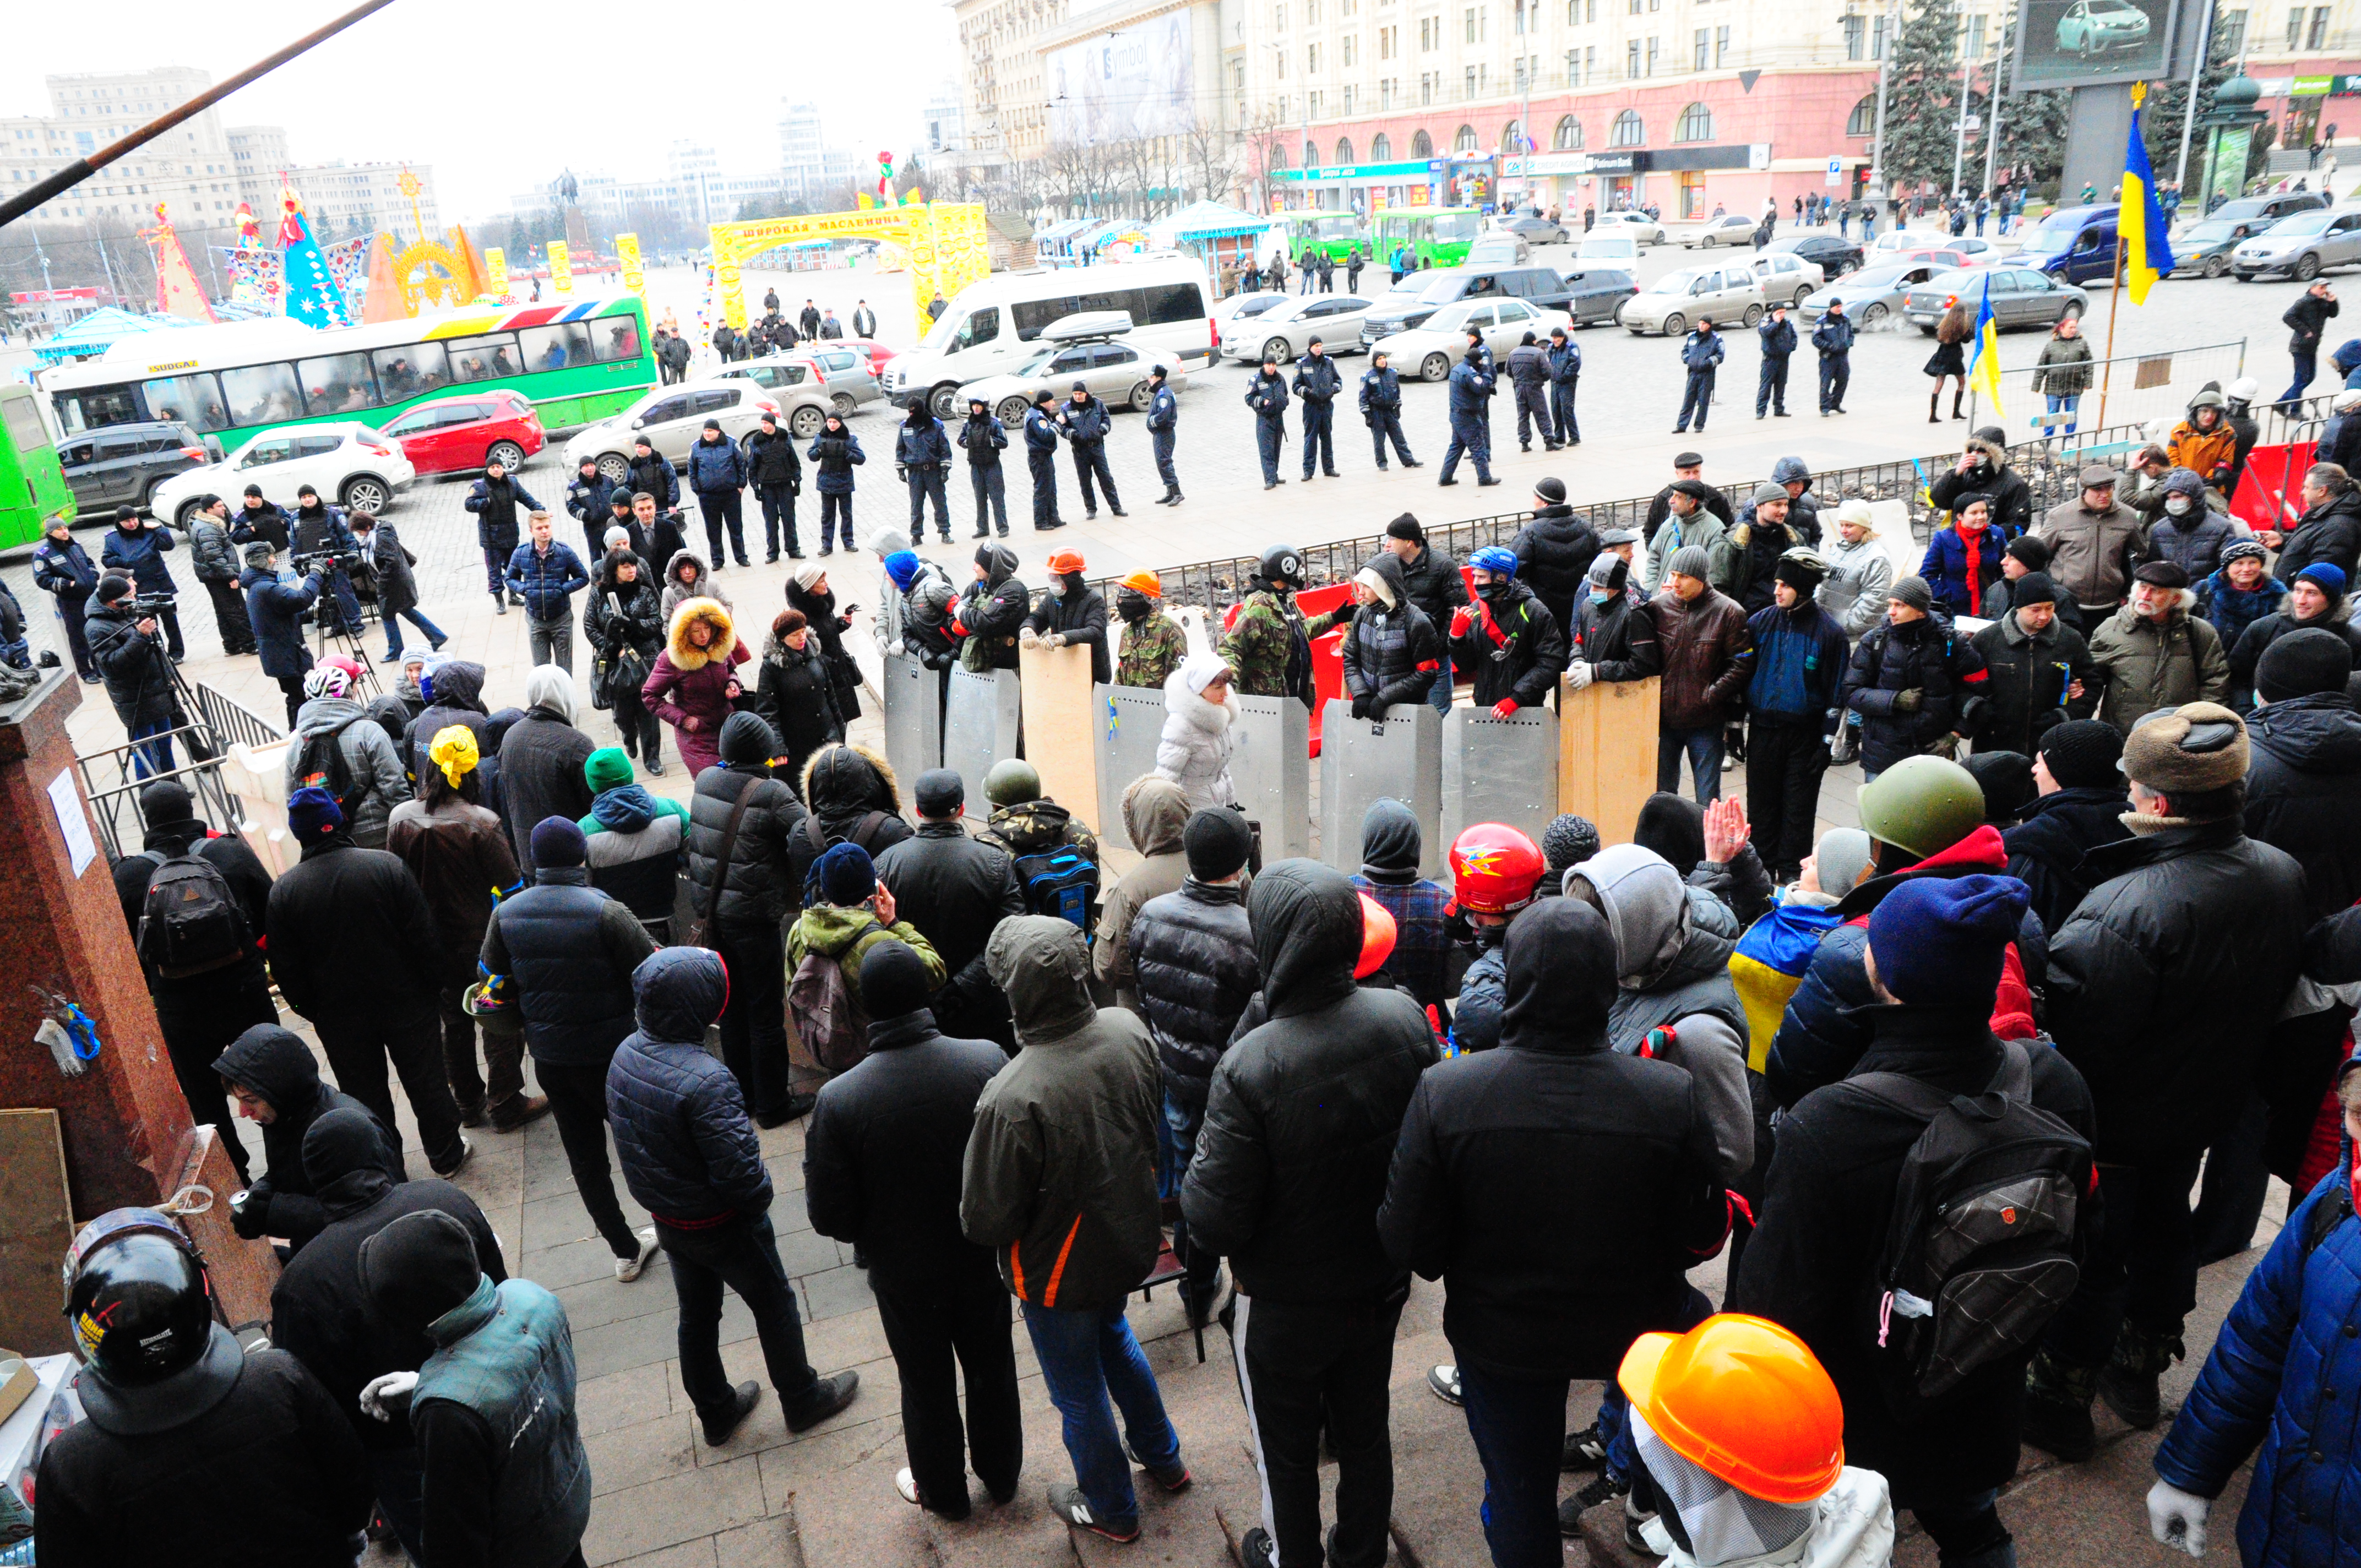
column 95, row 332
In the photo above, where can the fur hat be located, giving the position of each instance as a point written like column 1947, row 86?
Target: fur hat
column 2187, row 750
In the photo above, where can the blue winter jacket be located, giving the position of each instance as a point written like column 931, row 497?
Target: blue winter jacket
column 275, row 609
column 1471, row 391
column 1945, row 567
column 1040, row 434
column 2283, row 1373
column 1565, row 364
column 1701, row 351
column 1086, row 423
column 1834, row 335
column 922, row 444
column 2232, row 609
column 141, row 554
column 1799, row 664
column 66, row 571
column 716, row 466
column 686, row 1145
column 546, row 581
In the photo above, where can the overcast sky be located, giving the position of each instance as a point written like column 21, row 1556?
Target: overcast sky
column 498, row 94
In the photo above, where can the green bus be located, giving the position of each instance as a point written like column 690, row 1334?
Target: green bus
column 32, row 485
column 577, row 363
column 1437, row 235
column 1337, row 235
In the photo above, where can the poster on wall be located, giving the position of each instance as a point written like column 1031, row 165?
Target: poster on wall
column 2087, row 43
column 1133, row 82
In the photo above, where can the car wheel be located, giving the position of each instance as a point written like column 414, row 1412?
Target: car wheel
column 2216, row 265
column 507, row 453
column 845, row 402
column 1434, row 368
column 364, row 492
column 1676, row 325
column 1803, row 292
column 1872, row 314
column 1754, row 313
column 1926, row 332
column 807, row 421
column 2073, row 313
column 2060, row 278
column 1276, row 350
column 942, row 401
column 2306, row 268
column 1142, row 394
column 1011, row 413
column 185, row 519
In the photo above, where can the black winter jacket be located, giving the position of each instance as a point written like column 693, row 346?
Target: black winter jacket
column 351, row 936
column 1527, row 664
column 1435, row 585
column 1924, row 656
column 2046, row 849
column 280, row 1067
column 567, row 951
column 1616, row 640
column 1553, row 554
column 771, row 454
column 2025, row 682
column 319, row 1308
column 2330, row 531
column 1391, row 656
column 2165, row 981
column 795, row 692
column 250, row 884
column 541, row 777
column 275, row 609
column 2303, row 792
column 1826, row 1206
column 1560, row 1188
column 955, row 890
column 983, row 439
column 844, row 787
column 2256, row 640
column 1305, row 1111
column 1078, row 615
column 1192, row 954
column 688, row 1151
column 760, row 886
column 138, row 675
column 885, row 1150
column 2011, row 497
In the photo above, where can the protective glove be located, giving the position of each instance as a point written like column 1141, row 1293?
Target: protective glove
column 1054, row 639
column 1504, row 708
column 1028, row 638
column 1579, row 675
column 1461, row 619
column 2177, row 1518
column 1909, row 701
column 1361, row 706
column 385, row 1396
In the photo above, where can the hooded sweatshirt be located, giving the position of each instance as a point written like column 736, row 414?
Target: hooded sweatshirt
column 1392, row 652
column 1061, row 1170
column 1392, row 843
column 279, row 1067
column 542, row 758
column 1154, row 813
column 377, row 778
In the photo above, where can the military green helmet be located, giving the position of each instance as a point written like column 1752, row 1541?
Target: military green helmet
column 1014, row 781
column 1922, row 804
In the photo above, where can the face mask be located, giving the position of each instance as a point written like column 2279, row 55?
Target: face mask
column 2177, row 505
column 1058, row 587
column 1132, row 605
column 1601, row 596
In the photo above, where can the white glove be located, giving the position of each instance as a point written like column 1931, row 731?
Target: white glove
column 384, row 1396
column 1578, row 674
column 1028, row 638
column 2177, row 1518
column 1054, row 639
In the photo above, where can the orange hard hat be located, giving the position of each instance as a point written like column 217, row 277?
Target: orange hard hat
column 1493, row 869
column 1066, row 561
column 1743, row 1400
column 1378, row 935
column 1146, row 582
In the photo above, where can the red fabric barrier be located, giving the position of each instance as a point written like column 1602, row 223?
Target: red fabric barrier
column 1328, row 651
column 2269, row 492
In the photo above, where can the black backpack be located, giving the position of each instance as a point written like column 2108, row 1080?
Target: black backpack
column 322, row 764
column 1061, row 881
column 189, row 921
column 1980, row 1251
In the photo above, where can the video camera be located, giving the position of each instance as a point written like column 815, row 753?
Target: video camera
column 144, row 606
column 325, row 562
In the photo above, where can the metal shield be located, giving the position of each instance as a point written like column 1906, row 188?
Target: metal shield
column 979, row 728
column 1363, row 760
column 1499, row 769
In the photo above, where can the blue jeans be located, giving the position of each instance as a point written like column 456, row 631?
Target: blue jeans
column 2307, row 365
column 156, row 756
column 1704, row 749
column 1085, row 1356
column 1440, row 697
column 1519, row 1427
column 393, row 620
column 1176, row 1145
column 2073, row 407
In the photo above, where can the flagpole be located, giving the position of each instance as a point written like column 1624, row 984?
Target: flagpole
column 2116, row 295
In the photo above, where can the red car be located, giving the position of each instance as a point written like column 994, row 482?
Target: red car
column 460, row 435
column 878, row 353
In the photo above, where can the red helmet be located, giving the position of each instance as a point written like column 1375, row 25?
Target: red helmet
column 1066, row 561
column 1493, row 869
column 1377, row 936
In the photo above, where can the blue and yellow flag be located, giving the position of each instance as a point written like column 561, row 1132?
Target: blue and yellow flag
column 1985, row 370
column 2147, row 247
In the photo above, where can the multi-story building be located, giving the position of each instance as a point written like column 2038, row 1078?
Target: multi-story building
column 261, row 155
column 1007, row 101
column 189, row 169
column 341, row 199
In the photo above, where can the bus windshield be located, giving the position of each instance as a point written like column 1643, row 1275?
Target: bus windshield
column 1455, row 226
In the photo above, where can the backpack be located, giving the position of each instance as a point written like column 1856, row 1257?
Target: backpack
column 1981, row 1250
column 189, row 921
column 831, row 1025
column 1060, row 880
column 322, row 764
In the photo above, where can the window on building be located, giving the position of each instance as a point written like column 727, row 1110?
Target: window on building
column 1430, row 33
column 1382, row 149
column 1279, row 17
column 1976, row 37
column 2230, row 30
column 1348, row 97
column 1464, row 141
column 2295, row 28
column 1696, row 124
column 1862, row 121
column 1512, row 136
column 1653, row 43
column 1520, row 15
column 1632, row 57
column 1310, row 153
column 1877, row 35
column 1420, row 144
column 1344, row 150
column 1629, row 130
column 1311, row 59
column 1568, row 137
column 1722, row 46
column 1386, row 88
column 1704, row 48
column 1469, row 24
column 1468, row 84
column 1427, row 80
column 2318, row 38
column 1573, row 68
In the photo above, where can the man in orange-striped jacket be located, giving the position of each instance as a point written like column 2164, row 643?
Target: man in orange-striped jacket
column 1060, row 1183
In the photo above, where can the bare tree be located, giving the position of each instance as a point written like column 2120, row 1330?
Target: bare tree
column 1216, row 161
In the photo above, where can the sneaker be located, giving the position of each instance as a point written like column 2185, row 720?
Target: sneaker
column 1175, row 1479
column 630, row 1268
column 1635, row 1518
column 518, row 1110
column 1443, row 1382
column 1257, row 1550
column 823, row 1399
column 742, row 1400
column 1604, row 1488
column 655, row 767
column 1068, row 1503
column 906, row 1484
column 1584, row 1449
column 467, row 1152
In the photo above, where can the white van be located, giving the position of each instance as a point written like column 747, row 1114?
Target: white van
column 991, row 327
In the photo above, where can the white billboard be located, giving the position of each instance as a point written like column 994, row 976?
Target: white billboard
column 1134, row 81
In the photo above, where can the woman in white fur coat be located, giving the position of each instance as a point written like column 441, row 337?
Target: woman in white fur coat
column 1195, row 752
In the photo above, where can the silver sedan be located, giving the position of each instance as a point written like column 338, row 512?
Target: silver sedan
column 1870, row 295
column 1285, row 332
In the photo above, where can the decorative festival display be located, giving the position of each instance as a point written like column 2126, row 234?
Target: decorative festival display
column 178, row 292
column 496, row 273
column 245, row 288
column 561, row 268
column 886, row 179
column 627, row 255
column 945, row 242
column 313, row 296
column 256, row 277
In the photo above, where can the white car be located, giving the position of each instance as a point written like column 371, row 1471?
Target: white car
column 1979, row 251
column 672, row 418
column 1730, row 228
column 1091, row 348
column 1785, row 276
column 360, row 467
column 1429, row 350
column 1639, row 226
column 1286, row 332
column 1728, row 295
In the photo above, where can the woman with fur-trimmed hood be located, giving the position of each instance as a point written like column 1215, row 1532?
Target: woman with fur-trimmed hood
column 695, row 680
column 852, row 797
column 1195, row 752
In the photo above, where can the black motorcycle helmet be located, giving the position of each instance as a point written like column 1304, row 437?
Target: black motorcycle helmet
column 1281, row 566
column 138, row 1296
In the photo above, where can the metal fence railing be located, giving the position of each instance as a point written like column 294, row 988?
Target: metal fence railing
column 237, row 724
column 2130, row 388
column 2050, row 465
column 112, row 778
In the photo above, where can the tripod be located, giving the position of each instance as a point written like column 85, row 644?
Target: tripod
column 334, row 639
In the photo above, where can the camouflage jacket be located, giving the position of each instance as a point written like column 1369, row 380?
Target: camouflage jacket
column 1261, row 637
column 1036, row 825
column 1153, row 648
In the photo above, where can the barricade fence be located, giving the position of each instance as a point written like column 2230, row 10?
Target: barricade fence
column 2129, row 389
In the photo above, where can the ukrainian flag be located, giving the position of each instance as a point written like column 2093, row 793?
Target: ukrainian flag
column 1985, row 370
column 2147, row 248
column 1768, row 966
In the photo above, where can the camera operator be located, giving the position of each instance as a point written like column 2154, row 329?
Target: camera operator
column 319, row 531
column 137, row 550
column 276, row 610
column 215, row 554
column 130, row 656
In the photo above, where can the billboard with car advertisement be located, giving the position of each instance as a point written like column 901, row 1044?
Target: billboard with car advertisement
column 2087, row 43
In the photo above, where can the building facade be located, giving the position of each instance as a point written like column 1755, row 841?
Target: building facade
column 189, row 169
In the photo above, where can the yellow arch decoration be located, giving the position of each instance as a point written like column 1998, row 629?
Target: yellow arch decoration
column 945, row 241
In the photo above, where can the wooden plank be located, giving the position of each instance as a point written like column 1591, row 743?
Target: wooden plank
column 1606, row 754
column 35, row 1228
column 1054, row 684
